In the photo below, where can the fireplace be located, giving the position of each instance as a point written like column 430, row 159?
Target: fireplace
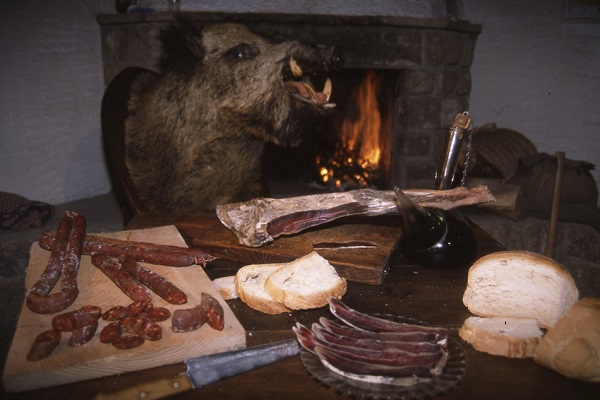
column 418, row 70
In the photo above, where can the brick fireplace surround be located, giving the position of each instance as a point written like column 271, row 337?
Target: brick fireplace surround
column 432, row 58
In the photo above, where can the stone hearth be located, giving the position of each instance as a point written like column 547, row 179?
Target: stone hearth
column 430, row 57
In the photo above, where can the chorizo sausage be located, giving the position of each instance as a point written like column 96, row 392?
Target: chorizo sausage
column 124, row 281
column 115, row 313
column 156, row 282
column 148, row 329
column 110, row 332
column 44, row 344
column 188, row 320
column 158, row 254
column 214, row 311
column 83, row 334
column 53, row 270
column 73, row 320
column 128, row 342
column 69, row 290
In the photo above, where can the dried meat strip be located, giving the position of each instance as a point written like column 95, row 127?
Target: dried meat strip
column 374, row 324
column 156, row 282
column 152, row 253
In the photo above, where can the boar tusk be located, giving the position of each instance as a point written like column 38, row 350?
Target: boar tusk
column 327, row 89
column 296, row 70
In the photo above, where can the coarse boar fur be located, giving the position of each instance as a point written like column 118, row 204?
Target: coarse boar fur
column 196, row 131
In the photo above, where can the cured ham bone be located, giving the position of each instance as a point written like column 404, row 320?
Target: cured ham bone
column 260, row 220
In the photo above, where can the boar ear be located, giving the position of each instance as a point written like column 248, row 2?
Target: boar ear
column 182, row 45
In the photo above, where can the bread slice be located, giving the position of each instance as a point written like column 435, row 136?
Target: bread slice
column 306, row 283
column 572, row 346
column 519, row 284
column 509, row 337
column 250, row 287
column 226, row 287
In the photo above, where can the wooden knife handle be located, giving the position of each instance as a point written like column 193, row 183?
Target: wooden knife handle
column 152, row 390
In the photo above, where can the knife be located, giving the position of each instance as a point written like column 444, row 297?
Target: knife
column 208, row 369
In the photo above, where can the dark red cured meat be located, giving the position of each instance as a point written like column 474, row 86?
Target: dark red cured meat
column 128, row 325
column 72, row 320
column 44, row 344
column 156, row 282
column 367, row 368
column 375, row 344
column 69, row 289
column 115, row 313
column 124, row 281
column 370, row 323
column 158, row 314
column 189, row 319
column 356, row 333
column 158, row 254
column 53, row 270
column 110, row 332
column 148, row 329
column 214, row 311
column 126, row 342
column 384, row 355
column 83, row 334
column 139, row 307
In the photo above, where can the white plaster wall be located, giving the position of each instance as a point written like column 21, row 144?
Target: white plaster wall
column 531, row 73
column 407, row 8
column 538, row 75
column 51, row 88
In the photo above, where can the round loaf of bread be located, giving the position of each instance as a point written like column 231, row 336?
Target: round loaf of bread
column 509, row 337
column 519, row 284
column 572, row 346
column 306, row 283
column 250, row 287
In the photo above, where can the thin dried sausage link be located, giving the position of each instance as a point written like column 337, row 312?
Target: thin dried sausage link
column 124, row 281
column 156, row 282
column 53, row 270
column 152, row 253
column 69, row 289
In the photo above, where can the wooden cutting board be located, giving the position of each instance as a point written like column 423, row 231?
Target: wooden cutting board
column 365, row 265
column 95, row 359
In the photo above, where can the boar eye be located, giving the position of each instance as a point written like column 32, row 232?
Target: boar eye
column 241, row 52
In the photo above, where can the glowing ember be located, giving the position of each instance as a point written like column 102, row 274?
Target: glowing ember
column 360, row 156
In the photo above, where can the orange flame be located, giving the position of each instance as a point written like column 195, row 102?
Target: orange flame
column 365, row 132
column 361, row 156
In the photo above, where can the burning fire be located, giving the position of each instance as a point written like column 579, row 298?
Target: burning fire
column 360, row 153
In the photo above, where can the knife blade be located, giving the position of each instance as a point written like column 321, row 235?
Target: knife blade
column 205, row 370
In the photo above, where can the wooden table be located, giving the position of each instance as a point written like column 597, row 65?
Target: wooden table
column 430, row 295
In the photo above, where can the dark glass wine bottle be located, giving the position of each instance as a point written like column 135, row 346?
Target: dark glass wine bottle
column 437, row 238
